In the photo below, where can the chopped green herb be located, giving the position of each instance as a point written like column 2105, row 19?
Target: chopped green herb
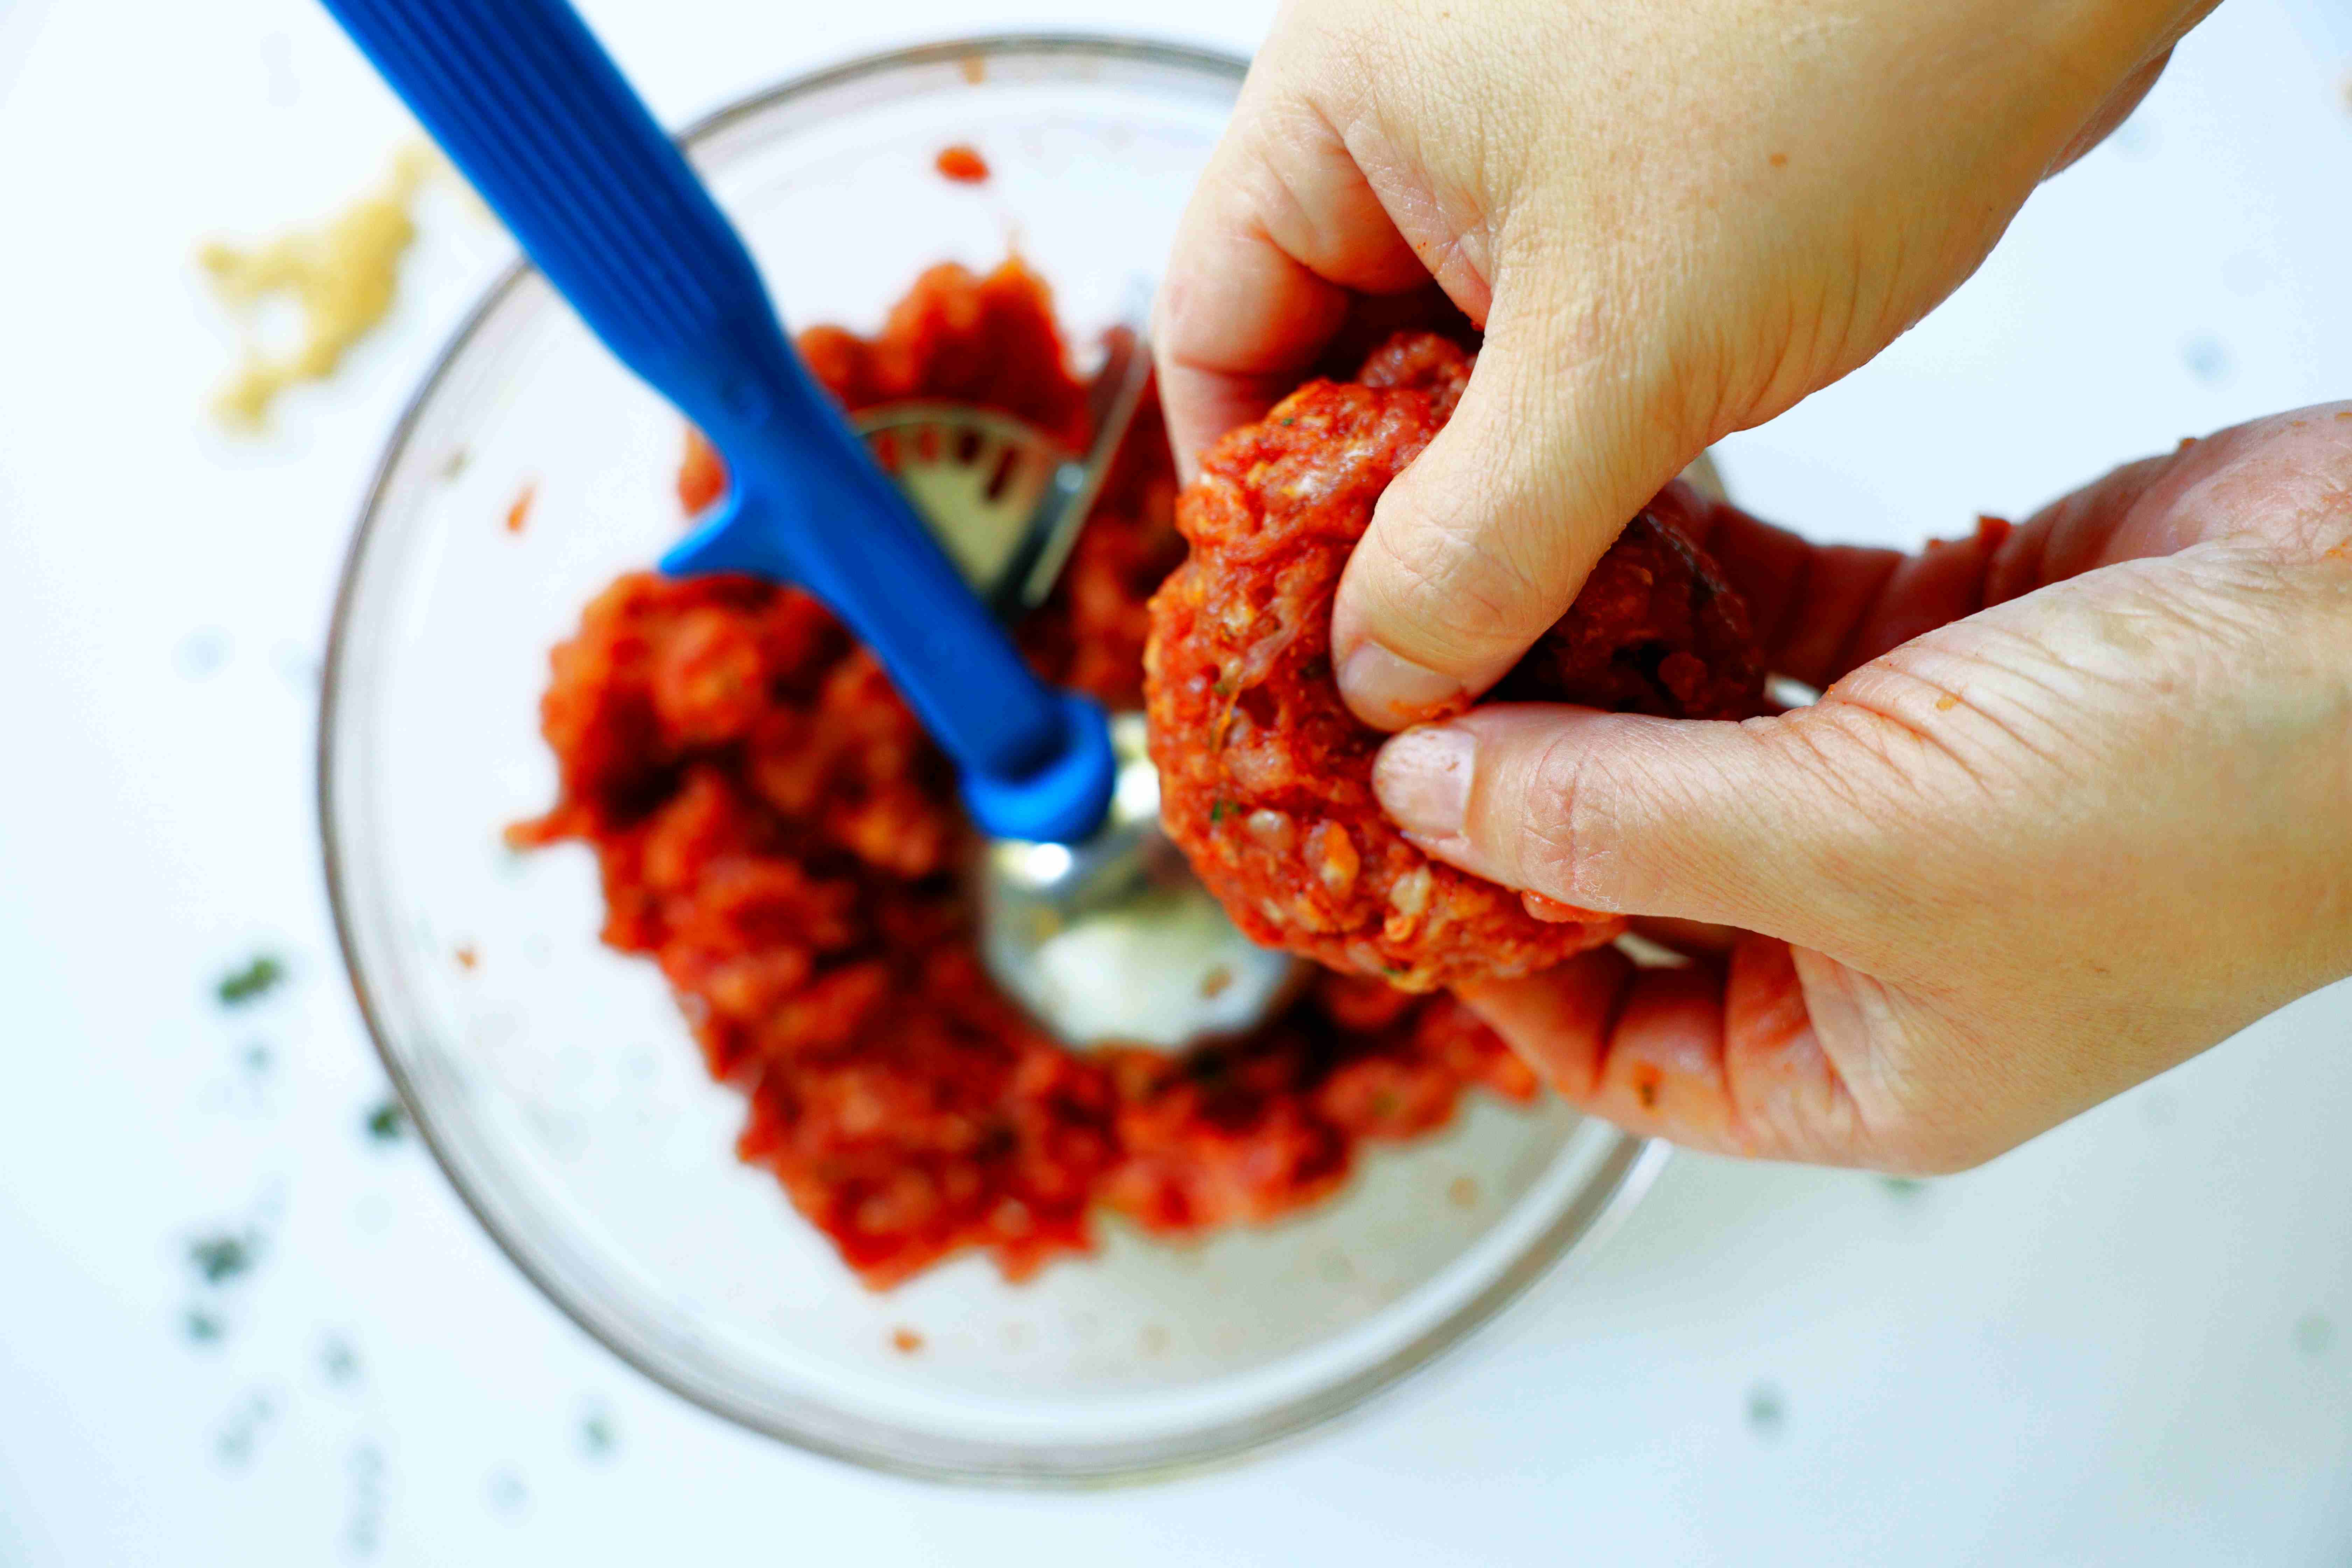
column 1220, row 810
column 1290, row 420
column 201, row 653
column 388, row 1123
column 1903, row 1189
column 256, row 980
column 222, row 1257
column 1766, row 1410
column 364, row 1531
column 339, row 1361
column 508, row 1494
column 202, row 1327
column 1222, row 686
column 597, row 1436
column 234, row 1444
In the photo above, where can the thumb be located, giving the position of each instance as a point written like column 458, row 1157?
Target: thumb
column 1481, row 544
column 1730, row 824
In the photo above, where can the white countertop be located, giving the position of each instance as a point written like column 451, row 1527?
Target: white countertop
column 2130, row 1342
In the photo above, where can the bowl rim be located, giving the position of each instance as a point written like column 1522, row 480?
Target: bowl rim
column 1616, row 1185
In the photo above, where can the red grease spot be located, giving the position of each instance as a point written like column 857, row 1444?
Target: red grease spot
column 467, row 957
column 906, row 1342
column 518, row 509
column 963, row 163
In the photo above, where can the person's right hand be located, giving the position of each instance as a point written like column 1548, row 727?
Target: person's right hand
column 1672, row 220
column 2077, row 804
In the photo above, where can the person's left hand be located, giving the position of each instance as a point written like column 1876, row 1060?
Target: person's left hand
column 2077, row 804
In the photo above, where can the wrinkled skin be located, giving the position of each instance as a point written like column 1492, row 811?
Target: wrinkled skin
column 2073, row 809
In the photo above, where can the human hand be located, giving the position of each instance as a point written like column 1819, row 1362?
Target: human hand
column 1672, row 222
column 2077, row 806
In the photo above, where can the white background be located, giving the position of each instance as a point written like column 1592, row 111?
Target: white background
column 2129, row 1342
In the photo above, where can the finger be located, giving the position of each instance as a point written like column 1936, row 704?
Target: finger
column 1641, row 1047
column 2112, row 112
column 1481, row 544
column 2127, row 94
column 1721, row 1057
column 1740, row 825
column 1280, row 233
column 1559, row 1021
column 1789, row 1099
column 1820, row 825
column 1819, row 610
column 2278, row 482
column 1661, row 1067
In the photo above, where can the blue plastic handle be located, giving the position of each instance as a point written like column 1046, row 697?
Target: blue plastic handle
column 525, row 101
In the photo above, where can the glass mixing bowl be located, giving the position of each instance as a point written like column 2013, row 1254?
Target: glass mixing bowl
column 555, row 1079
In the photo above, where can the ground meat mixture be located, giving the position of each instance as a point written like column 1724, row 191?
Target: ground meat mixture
column 775, row 830
column 1266, row 777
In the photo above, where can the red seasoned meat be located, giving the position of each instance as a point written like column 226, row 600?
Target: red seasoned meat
column 1266, row 777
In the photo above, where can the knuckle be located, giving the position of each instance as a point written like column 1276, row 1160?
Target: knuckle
column 1567, row 815
column 1445, row 564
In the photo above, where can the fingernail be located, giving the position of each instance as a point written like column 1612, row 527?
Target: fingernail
column 1422, row 778
column 1391, row 692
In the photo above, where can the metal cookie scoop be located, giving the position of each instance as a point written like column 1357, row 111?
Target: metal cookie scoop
column 1115, row 939
column 1005, row 499
column 1112, row 938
